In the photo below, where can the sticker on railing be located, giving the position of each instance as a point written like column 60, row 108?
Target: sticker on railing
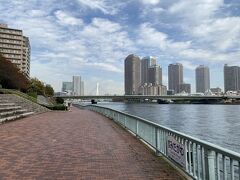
column 176, row 151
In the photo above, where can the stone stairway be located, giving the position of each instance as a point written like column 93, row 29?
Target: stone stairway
column 14, row 107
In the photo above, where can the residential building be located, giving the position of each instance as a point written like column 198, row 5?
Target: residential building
column 146, row 63
column 231, row 78
column 155, row 75
column 15, row 47
column 132, row 74
column 186, row 88
column 202, row 79
column 175, row 77
column 150, row 89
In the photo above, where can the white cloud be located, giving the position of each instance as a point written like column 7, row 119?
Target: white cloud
column 105, row 66
column 106, row 25
column 197, row 10
column 188, row 65
column 151, row 37
column 151, row 2
column 221, row 33
column 66, row 19
column 209, row 56
column 102, row 5
column 36, row 13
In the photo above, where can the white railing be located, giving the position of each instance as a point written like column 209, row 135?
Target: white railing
column 199, row 159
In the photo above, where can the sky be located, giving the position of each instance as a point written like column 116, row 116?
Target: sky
column 91, row 38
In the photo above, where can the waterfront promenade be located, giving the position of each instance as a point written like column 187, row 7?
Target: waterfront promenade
column 79, row 144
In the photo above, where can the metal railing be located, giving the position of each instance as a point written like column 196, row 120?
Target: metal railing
column 199, row 159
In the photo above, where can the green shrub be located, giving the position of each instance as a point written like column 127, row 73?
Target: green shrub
column 58, row 107
column 59, row 100
column 32, row 94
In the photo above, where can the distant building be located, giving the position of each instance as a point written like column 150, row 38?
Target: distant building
column 155, row 75
column 216, row 91
column 146, row 63
column 76, row 85
column 150, row 89
column 185, row 88
column 67, row 86
column 15, row 47
column 170, row 92
column 82, row 88
column 231, row 78
column 202, row 79
column 132, row 74
column 175, row 77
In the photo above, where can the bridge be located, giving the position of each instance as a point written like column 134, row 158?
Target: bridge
column 176, row 98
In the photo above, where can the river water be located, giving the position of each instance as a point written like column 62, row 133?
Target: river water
column 218, row 124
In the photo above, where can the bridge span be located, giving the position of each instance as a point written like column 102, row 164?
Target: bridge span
column 153, row 97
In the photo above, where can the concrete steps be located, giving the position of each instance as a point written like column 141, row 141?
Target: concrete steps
column 14, row 117
column 24, row 103
column 10, row 110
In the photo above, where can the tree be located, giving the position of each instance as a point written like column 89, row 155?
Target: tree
column 36, row 86
column 11, row 77
column 49, row 91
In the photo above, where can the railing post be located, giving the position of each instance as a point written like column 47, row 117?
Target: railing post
column 125, row 119
column 137, row 128
column 210, row 164
column 157, row 142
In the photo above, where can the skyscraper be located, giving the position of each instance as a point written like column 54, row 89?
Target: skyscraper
column 77, row 85
column 231, row 78
column 132, row 74
column 155, row 75
column 175, row 77
column 202, row 79
column 146, row 63
column 15, row 47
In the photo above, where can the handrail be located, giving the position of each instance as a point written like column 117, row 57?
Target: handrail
column 203, row 160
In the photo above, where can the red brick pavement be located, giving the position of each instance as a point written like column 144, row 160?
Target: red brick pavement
column 75, row 145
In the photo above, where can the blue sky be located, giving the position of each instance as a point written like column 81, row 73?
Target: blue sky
column 91, row 38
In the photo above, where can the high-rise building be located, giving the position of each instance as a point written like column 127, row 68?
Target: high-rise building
column 155, row 75
column 15, row 47
column 77, row 85
column 175, row 77
column 231, row 78
column 185, row 88
column 67, row 86
column 202, row 79
column 146, row 63
column 132, row 74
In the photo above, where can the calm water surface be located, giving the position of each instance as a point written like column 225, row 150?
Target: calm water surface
column 218, row 124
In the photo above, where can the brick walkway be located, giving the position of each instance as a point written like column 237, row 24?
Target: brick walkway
column 75, row 145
